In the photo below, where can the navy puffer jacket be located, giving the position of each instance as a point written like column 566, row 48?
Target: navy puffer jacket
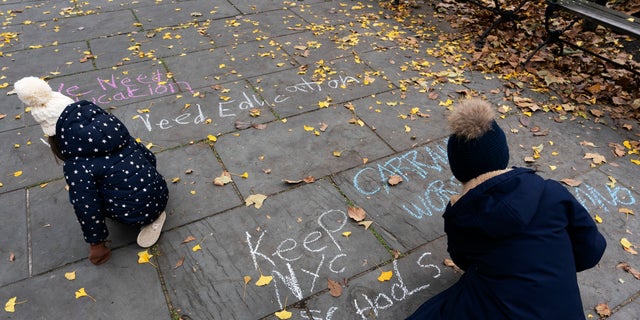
column 520, row 239
column 109, row 174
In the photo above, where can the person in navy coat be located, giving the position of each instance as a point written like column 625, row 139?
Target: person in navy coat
column 108, row 173
column 519, row 238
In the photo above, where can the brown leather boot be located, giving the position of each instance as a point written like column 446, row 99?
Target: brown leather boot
column 99, row 253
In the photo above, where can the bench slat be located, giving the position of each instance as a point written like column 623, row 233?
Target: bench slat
column 614, row 19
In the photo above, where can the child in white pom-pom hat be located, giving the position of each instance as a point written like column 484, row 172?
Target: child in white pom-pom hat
column 519, row 238
column 109, row 174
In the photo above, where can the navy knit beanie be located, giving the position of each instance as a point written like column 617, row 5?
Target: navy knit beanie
column 477, row 144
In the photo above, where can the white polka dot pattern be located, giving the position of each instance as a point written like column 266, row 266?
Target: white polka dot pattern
column 109, row 174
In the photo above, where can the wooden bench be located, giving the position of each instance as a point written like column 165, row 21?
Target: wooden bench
column 596, row 12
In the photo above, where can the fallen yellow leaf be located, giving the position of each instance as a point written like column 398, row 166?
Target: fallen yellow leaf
column 264, row 280
column 598, row 219
column 17, row 173
column 70, row 275
column 10, row 305
column 346, row 234
column 212, row 138
column 244, row 175
column 82, row 293
column 196, row 248
column 385, row 276
column 144, row 256
column 284, row 314
column 247, row 279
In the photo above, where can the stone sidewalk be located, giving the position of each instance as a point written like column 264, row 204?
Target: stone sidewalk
column 314, row 104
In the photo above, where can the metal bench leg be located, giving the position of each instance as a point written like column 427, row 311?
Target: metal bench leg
column 553, row 36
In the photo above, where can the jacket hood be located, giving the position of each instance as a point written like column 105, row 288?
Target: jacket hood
column 85, row 130
column 500, row 206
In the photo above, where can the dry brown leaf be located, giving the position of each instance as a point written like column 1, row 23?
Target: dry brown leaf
column 356, row 213
column 259, row 126
column 596, row 112
column 394, row 180
column 618, row 149
column 571, row 182
column 335, row 289
column 603, row 310
column 595, row 157
column 188, row 239
column 450, row 263
column 241, row 125
column 179, row 263
column 308, row 179
column 588, row 144
column 626, row 267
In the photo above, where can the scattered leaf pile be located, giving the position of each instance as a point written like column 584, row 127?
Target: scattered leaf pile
column 575, row 76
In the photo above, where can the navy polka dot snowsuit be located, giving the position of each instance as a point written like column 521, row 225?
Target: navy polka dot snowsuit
column 109, row 174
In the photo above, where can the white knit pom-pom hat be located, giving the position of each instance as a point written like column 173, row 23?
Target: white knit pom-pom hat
column 46, row 105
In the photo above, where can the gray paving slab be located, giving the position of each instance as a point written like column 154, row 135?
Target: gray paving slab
column 172, row 41
column 210, row 67
column 563, row 145
column 397, row 121
column 416, row 277
column 248, row 6
column 182, row 12
column 274, row 23
column 629, row 311
column 182, row 118
column 290, row 152
column 71, row 29
column 14, row 117
column 308, row 47
column 603, row 282
column 13, row 250
column 295, row 236
column 304, row 92
column 121, row 287
column 61, row 59
column 194, row 196
column 134, row 83
column 330, row 13
column 408, row 214
column 115, row 50
column 52, row 219
column 26, row 159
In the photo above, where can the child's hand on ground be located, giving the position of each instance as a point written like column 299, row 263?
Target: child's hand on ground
column 99, row 253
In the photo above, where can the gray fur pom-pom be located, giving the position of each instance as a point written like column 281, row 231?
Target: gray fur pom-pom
column 471, row 118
